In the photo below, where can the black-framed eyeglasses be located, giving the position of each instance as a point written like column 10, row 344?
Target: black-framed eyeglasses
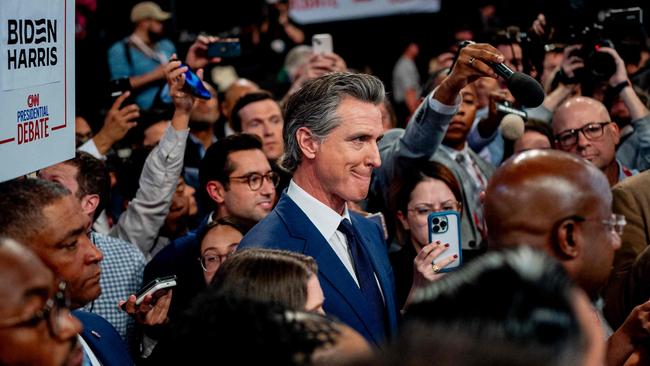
column 51, row 312
column 569, row 138
column 255, row 180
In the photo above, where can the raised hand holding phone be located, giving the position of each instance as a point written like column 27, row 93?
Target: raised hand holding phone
column 184, row 85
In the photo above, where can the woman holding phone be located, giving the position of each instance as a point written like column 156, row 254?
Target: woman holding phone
column 423, row 188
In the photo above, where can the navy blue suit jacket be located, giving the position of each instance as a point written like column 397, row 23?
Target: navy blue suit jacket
column 103, row 340
column 180, row 258
column 288, row 228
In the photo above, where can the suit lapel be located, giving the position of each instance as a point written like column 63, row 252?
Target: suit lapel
column 381, row 271
column 329, row 265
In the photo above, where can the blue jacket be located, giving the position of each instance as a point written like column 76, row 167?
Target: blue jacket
column 103, row 340
column 180, row 258
column 288, row 228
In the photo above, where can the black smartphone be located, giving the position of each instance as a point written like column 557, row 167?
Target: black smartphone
column 224, row 48
column 118, row 87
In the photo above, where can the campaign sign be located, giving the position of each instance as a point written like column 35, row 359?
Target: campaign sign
column 36, row 84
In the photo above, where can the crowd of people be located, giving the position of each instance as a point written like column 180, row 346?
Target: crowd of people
column 295, row 221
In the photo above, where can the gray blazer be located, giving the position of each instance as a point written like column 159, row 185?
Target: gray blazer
column 470, row 233
column 421, row 138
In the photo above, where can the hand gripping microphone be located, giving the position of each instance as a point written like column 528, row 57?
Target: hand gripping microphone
column 526, row 90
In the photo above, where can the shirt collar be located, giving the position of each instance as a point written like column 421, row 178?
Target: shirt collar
column 624, row 172
column 454, row 153
column 322, row 216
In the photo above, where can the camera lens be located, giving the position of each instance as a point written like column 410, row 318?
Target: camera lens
column 601, row 65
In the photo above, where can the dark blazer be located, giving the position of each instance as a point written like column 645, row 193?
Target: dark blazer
column 180, row 258
column 288, row 228
column 103, row 340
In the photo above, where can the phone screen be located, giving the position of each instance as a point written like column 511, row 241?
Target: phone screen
column 445, row 227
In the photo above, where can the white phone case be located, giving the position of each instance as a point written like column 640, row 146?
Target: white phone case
column 322, row 43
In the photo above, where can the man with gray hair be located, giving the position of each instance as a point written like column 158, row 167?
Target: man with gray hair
column 332, row 125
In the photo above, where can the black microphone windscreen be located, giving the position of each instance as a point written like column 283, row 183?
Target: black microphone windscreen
column 526, row 90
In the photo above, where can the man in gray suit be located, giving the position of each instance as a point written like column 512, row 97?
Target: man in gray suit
column 439, row 132
column 470, row 169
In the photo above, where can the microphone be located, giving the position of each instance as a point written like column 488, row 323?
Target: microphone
column 512, row 127
column 524, row 88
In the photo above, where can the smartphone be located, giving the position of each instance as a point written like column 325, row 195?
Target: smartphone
column 195, row 85
column 157, row 288
column 118, row 87
column 224, row 48
column 444, row 226
column 322, row 43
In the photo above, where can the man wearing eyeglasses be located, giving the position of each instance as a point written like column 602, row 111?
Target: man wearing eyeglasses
column 36, row 327
column 567, row 212
column 47, row 218
column 237, row 182
column 582, row 126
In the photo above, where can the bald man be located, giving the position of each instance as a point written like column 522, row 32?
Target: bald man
column 582, row 126
column 561, row 204
column 27, row 334
column 235, row 91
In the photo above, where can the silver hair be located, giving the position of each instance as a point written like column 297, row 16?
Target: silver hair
column 314, row 106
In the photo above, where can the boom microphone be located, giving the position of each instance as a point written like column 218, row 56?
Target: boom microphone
column 524, row 88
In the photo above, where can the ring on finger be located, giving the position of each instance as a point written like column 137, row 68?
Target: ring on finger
column 435, row 267
column 471, row 61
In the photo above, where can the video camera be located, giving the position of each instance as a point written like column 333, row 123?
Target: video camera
column 600, row 66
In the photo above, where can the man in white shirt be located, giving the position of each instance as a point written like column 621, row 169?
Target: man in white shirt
column 332, row 125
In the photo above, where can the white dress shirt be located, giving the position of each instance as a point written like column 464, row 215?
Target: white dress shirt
column 326, row 221
column 89, row 356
